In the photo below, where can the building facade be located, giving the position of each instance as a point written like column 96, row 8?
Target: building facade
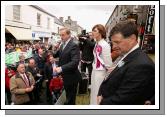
column 142, row 15
column 72, row 25
column 136, row 13
column 30, row 22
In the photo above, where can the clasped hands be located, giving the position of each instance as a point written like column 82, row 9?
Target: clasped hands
column 57, row 69
column 29, row 89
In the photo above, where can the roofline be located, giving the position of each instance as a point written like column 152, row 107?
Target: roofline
column 39, row 8
column 111, row 15
column 60, row 23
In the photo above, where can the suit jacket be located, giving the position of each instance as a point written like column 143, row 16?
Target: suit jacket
column 48, row 71
column 18, row 86
column 33, row 71
column 87, row 46
column 68, row 60
column 40, row 61
column 131, row 84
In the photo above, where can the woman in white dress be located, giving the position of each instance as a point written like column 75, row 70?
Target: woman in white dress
column 102, row 61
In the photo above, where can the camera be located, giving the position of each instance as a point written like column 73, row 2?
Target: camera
column 83, row 36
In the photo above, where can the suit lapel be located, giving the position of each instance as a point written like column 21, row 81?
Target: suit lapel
column 132, row 55
column 110, row 75
column 66, row 47
column 126, row 60
column 27, row 75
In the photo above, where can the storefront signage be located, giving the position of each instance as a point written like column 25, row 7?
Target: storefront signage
column 150, row 20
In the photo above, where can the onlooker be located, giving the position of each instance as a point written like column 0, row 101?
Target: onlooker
column 21, row 86
column 49, row 73
column 8, row 74
column 40, row 60
column 35, row 73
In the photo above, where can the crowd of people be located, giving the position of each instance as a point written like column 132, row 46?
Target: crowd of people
column 121, row 74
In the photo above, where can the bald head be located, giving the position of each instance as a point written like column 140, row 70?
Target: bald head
column 21, row 68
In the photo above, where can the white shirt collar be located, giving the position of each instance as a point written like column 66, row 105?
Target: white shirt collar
column 66, row 42
column 134, row 48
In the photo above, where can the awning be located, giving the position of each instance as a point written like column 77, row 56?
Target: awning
column 21, row 33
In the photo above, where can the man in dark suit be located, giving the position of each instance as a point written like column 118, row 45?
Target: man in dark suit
column 69, row 57
column 48, row 75
column 132, row 81
column 40, row 60
column 33, row 69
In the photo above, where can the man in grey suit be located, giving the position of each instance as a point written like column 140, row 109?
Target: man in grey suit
column 132, row 81
column 69, row 57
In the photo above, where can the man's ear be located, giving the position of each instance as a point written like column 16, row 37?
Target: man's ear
column 133, row 37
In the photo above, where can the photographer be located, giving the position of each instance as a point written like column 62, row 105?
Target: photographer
column 86, row 44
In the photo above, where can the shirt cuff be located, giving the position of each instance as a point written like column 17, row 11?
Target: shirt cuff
column 61, row 69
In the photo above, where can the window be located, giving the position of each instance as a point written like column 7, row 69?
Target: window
column 117, row 12
column 16, row 12
column 38, row 19
column 58, row 30
column 48, row 24
column 120, row 9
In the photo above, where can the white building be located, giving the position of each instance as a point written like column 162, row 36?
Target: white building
column 29, row 22
column 56, row 35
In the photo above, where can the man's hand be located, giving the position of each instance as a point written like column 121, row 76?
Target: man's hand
column 57, row 69
column 29, row 89
column 99, row 98
column 39, row 75
column 9, row 74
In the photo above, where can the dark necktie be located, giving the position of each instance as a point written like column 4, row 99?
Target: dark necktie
column 62, row 46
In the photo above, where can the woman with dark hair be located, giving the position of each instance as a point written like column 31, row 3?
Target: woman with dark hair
column 102, row 60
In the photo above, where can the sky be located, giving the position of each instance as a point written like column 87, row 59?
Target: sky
column 86, row 15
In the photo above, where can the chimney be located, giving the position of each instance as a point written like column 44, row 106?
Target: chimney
column 61, row 19
column 69, row 17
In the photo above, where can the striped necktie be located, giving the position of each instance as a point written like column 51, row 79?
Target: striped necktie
column 26, row 80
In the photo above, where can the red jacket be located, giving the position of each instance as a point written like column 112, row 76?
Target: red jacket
column 56, row 84
column 8, row 75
